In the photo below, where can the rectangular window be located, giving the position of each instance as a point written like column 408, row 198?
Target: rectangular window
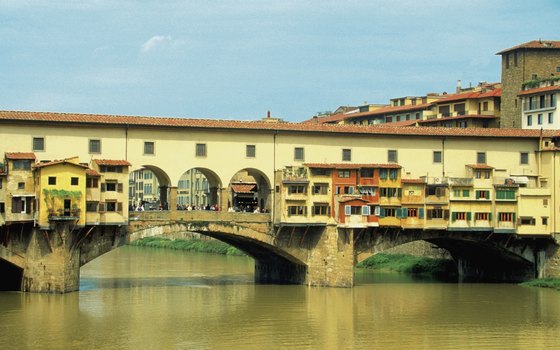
column 482, row 216
column 94, row 146
column 437, row 157
column 250, row 151
column 366, row 172
column 346, row 155
column 466, row 193
column 92, row 182
column 74, row 181
column 383, row 174
column 321, row 209
column 149, row 148
column 480, row 157
column 91, row 207
column 21, row 185
column 550, row 118
column 539, row 118
column 524, row 158
column 344, row 174
column 392, row 156
column 544, row 220
column 507, row 217
column 412, row 212
column 297, row 189
column 52, row 180
column 527, row 221
column 482, row 194
column 299, row 154
column 505, row 194
column 38, row 144
column 200, row 150
column 22, row 164
column 320, row 188
column 297, row 210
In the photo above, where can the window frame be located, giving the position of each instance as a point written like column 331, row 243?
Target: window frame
column 91, row 142
column 146, row 148
column 481, row 158
column 524, row 158
column 201, row 150
column 43, row 144
column 392, row 153
column 299, row 154
column 250, row 151
column 435, row 156
column 346, row 154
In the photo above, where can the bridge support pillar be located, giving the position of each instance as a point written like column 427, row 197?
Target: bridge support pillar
column 551, row 267
column 172, row 200
column 52, row 265
column 331, row 262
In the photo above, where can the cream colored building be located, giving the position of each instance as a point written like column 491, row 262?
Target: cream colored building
column 221, row 149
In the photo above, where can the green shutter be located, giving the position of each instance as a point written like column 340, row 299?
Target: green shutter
column 477, row 194
column 404, row 213
column 466, row 193
column 490, row 216
column 453, row 216
column 399, row 192
column 469, row 216
column 381, row 212
column 421, row 213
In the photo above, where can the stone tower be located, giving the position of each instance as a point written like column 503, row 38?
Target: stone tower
column 534, row 60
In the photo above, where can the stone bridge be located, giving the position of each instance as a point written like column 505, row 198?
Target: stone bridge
column 49, row 261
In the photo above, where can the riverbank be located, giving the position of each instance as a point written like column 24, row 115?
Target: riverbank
column 192, row 245
column 410, row 264
column 550, row 282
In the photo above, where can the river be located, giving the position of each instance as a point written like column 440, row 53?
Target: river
column 146, row 298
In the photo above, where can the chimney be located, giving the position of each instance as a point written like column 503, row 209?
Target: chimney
column 268, row 114
column 458, row 86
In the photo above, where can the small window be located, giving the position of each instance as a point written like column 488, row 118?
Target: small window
column 250, row 151
column 539, row 119
column 392, row 156
column 38, row 144
column 74, row 181
column 480, row 157
column 534, row 77
column 437, row 156
column 21, row 185
column 529, row 120
column 94, row 146
column 52, row 180
column 344, row 174
column 544, row 220
column 200, row 150
column 550, row 118
column 299, row 153
column 149, row 148
column 346, row 155
column 366, row 172
column 524, row 158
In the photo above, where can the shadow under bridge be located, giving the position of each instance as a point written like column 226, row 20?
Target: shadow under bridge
column 251, row 233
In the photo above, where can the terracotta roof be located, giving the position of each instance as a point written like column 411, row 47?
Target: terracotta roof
column 480, row 166
column 348, row 199
column 89, row 119
column 243, row 188
column 350, row 166
column 55, row 162
column 92, row 173
column 20, row 155
column 413, row 181
column 111, row 162
column 539, row 90
column 535, row 44
column 470, row 95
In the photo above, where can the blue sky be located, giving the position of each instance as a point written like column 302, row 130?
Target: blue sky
column 238, row 59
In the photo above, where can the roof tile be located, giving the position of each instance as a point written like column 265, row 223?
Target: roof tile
column 20, row 155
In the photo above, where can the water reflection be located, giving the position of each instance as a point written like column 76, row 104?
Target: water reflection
column 137, row 298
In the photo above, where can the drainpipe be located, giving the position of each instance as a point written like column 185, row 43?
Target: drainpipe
column 443, row 157
column 273, row 189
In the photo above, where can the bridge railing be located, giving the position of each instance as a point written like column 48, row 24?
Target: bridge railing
column 199, row 215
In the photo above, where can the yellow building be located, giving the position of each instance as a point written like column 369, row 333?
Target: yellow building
column 60, row 187
column 19, row 193
column 113, row 187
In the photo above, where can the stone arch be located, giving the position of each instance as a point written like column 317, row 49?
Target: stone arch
column 12, row 276
column 188, row 193
column 479, row 256
column 162, row 183
column 239, row 188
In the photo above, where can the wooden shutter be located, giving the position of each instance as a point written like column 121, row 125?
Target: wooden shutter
column 119, row 187
column 103, row 187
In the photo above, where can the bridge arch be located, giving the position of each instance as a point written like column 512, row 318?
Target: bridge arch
column 199, row 187
column 162, row 183
column 244, row 197
column 480, row 257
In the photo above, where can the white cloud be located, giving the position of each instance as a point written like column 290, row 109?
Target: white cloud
column 155, row 42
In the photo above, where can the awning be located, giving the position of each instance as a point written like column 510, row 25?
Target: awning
column 243, row 188
column 521, row 180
